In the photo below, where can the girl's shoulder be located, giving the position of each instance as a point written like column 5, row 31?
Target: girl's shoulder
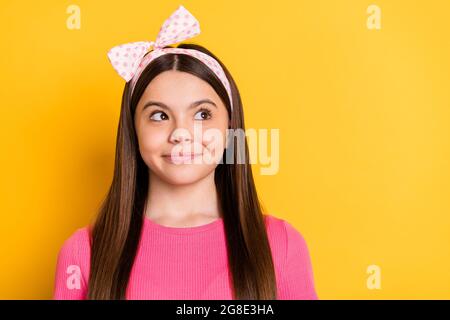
column 75, row 250
column 281, row 230
column 77, row 240
column 292, row 260
column 285, row 239
column 72, row 266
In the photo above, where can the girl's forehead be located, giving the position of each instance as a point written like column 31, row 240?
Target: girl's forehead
column 177, row 80
column 179, row 89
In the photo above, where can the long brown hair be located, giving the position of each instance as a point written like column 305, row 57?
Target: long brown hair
column 116, row 231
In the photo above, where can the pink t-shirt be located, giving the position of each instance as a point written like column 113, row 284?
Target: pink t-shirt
column 174, row 263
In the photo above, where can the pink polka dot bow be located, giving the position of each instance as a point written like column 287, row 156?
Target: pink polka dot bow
column 129, row 60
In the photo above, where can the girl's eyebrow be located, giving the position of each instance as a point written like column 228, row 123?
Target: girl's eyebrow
column 164, row 106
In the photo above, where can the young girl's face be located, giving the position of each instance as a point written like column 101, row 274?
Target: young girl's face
column 181, row 126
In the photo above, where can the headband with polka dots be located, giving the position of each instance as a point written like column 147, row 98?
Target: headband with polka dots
column 129, row 61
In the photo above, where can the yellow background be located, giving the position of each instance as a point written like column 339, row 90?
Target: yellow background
column 363, row 116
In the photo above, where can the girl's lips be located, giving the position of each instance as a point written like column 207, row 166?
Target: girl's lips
column 181, row 158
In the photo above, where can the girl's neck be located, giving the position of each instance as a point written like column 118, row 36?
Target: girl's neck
column 196, row 202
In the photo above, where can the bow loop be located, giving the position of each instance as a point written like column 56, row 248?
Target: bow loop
column 125, row 58
column 181, row 25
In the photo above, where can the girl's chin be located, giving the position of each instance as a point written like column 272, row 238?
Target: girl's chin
column 182, row 179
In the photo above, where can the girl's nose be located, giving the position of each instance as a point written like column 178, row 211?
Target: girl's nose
column 180, row 135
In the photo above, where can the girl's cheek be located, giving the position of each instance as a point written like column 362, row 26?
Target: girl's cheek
column 214, row 139
column 153, row 140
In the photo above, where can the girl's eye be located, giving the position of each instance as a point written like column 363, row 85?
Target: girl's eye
column 158, row 116
column 204, row 114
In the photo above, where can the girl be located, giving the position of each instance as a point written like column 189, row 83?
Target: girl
column 171, row 227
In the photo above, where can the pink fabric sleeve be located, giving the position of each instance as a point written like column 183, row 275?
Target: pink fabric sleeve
column 297, row 273
column 70, row 277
